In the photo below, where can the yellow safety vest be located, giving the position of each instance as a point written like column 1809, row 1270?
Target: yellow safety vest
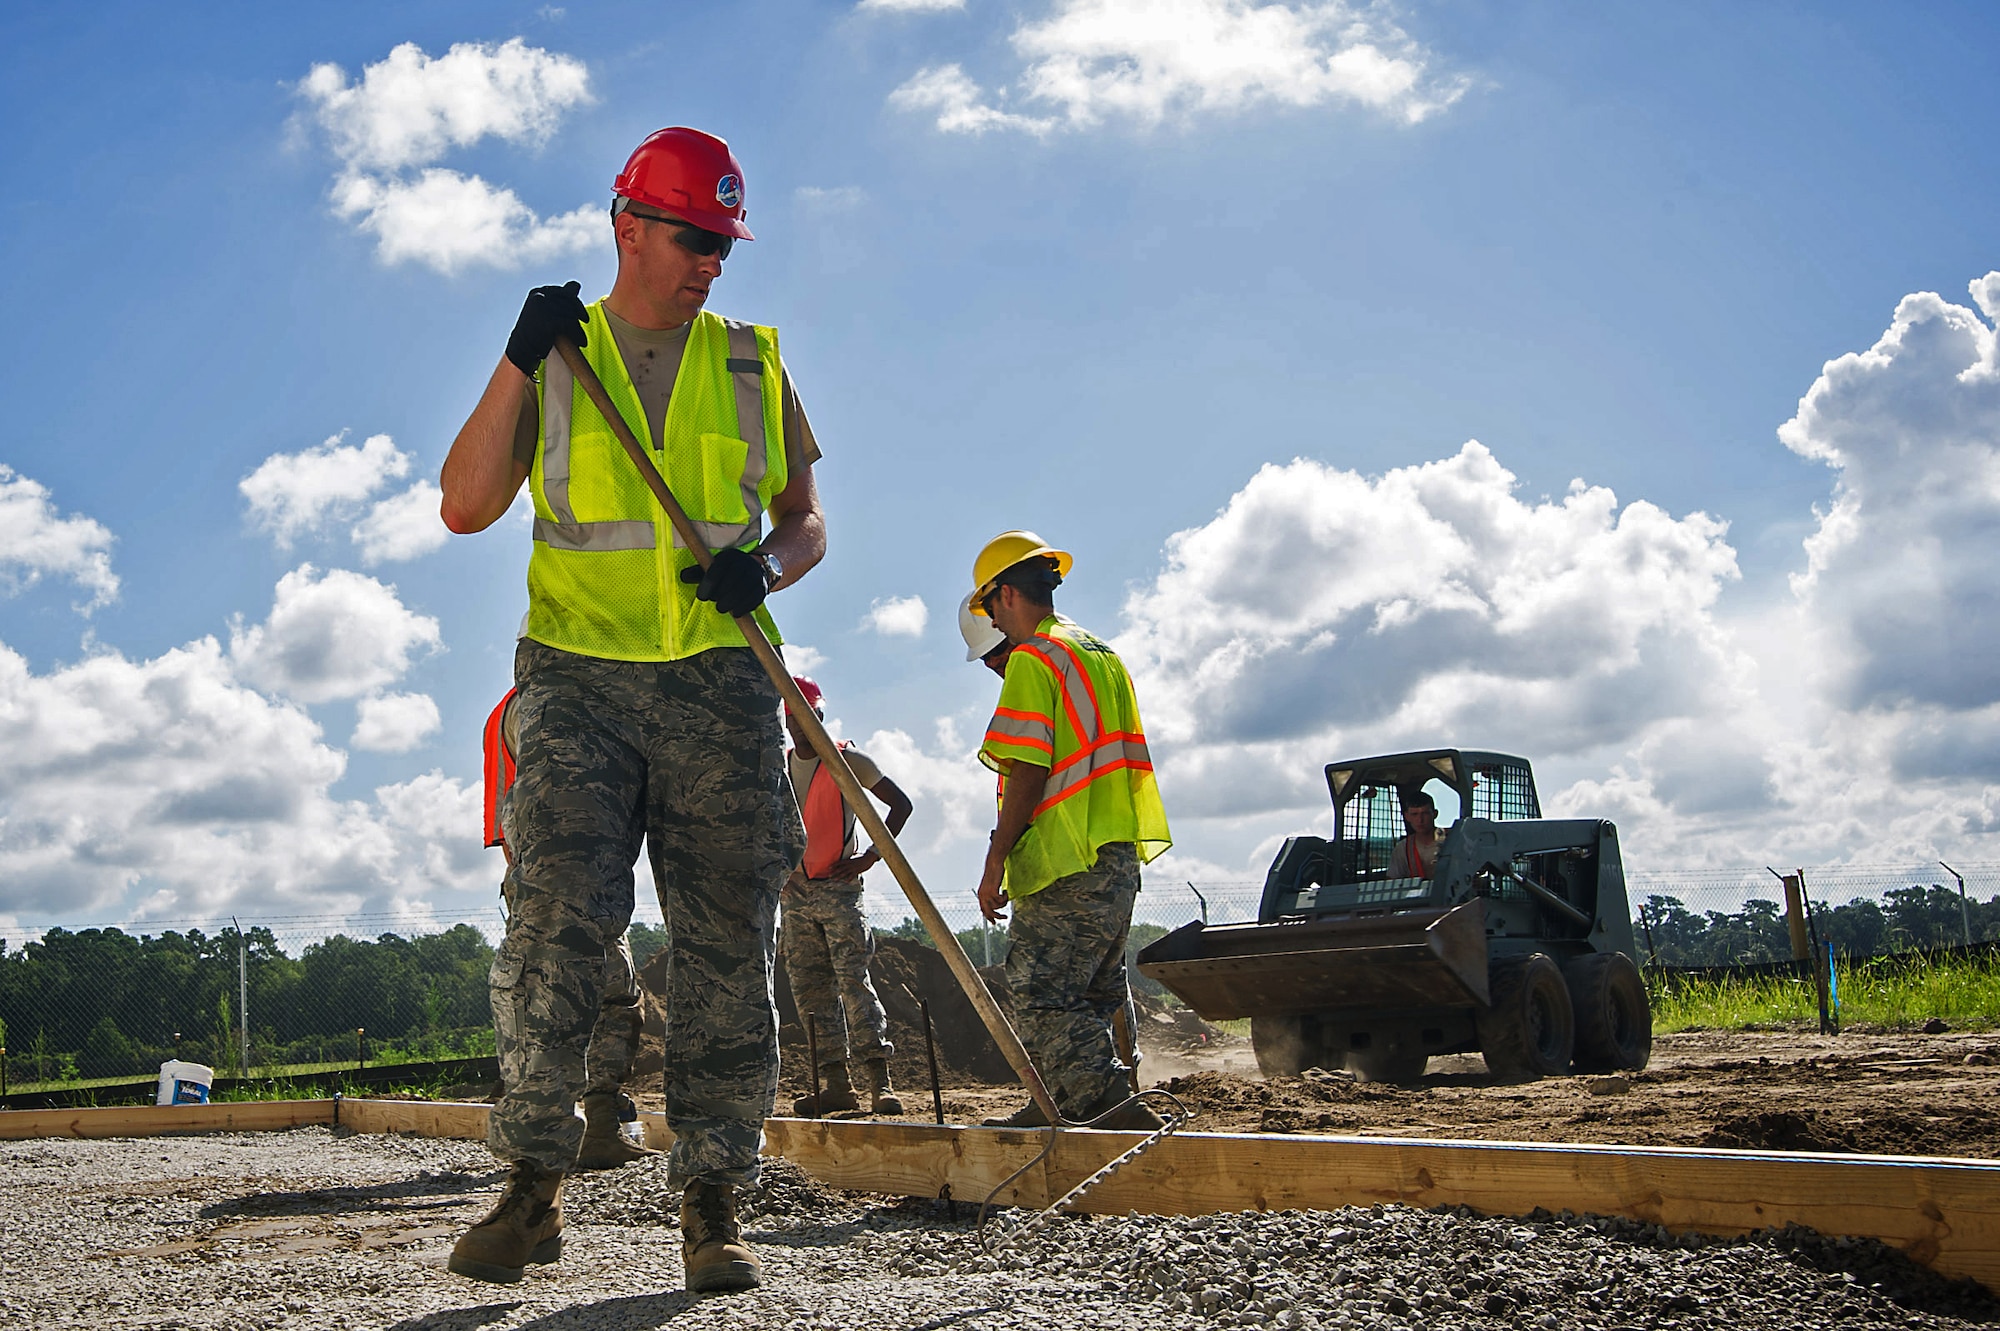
column 604, row 578
column 1067, row 705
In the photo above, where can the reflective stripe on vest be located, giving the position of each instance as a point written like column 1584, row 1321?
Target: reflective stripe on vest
column 604, row 578
column 1096, row 755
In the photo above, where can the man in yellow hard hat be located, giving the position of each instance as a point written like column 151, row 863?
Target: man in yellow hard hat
column 1079, row 813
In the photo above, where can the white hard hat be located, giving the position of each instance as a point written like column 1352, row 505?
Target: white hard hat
column 977, row 630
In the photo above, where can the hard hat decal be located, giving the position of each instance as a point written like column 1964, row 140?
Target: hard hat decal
column 729, row 191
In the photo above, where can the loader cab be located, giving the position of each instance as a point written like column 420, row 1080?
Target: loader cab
column 1356, row 867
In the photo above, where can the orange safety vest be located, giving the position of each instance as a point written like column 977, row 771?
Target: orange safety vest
column 825, row 815
column 499, row 767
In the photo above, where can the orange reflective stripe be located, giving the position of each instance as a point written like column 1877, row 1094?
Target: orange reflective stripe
column 1022, row 741
column 1073, row 680
column 1117, row 752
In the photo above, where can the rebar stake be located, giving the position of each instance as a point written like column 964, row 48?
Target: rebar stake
column 930, row 1052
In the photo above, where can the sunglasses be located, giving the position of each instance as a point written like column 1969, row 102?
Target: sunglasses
column 692, row 238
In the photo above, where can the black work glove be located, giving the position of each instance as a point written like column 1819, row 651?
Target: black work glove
column 735, row 580
column 547, row 314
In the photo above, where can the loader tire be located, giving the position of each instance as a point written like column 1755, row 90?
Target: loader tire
column 1614, row 1018
column 1280, row 1045
column 1529, row 1031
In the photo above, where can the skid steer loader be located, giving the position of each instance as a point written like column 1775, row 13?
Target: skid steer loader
column 1518, row 945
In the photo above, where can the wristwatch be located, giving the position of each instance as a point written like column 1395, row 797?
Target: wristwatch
column 774, row 569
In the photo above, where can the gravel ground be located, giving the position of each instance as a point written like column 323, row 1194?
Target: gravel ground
column 313, row 1228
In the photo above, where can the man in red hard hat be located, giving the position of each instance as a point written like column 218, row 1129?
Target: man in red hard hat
column 826, row 939
column 643, row 713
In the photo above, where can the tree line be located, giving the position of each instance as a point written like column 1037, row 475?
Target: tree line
column 105, row 1003
column 1906, row 919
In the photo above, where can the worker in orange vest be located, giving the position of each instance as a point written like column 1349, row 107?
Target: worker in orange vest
column 614, row 1040
column 824, row 934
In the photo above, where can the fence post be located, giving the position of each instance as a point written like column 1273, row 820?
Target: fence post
column 1819, row 965
column 1964, row 913
column 1795, row 916
column 243, row 995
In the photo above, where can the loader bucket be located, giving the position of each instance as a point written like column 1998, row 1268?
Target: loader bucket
column 1408, row 959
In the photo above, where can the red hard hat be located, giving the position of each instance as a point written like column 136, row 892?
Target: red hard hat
column 811, row 691
column 690, row 174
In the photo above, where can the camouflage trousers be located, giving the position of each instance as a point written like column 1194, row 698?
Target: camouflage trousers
column 827, row 946
column 1066, row 971
column 614, row 1037
column 689, row 756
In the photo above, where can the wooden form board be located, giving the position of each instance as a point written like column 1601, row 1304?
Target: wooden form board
column 163, row 1120
column 1944, row 1213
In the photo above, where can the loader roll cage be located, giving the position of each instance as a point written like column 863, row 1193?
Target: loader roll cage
column 1352, row 870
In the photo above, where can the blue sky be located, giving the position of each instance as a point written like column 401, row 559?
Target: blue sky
column 1084, row 266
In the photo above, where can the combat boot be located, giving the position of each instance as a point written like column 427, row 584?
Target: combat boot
column 713, row 1253
column 605, row 1145
column 836, row 1096
column 882, row 1097
column 524, row 1226
column 1135, row 1116
column 1029, row 1115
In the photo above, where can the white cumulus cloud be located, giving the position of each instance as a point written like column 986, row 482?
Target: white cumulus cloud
column 907, row 6
column 335, row 635
column 169, row 781
column 292, row 494
column 1143, row 62
column 395, row 722
column 403, row 526
column 897, row 616
column 36, row 542
column 1900, row 572
column 392, row 125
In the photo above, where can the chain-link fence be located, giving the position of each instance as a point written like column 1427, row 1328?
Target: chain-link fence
column 1721, row 919
column 289, row 997
column 300, row 995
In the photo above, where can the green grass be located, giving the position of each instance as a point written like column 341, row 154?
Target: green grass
column 1893, row 994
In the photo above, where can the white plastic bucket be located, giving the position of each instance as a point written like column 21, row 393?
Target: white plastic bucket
column 184, row 1083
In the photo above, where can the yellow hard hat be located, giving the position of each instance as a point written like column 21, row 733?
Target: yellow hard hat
column 1002, row 553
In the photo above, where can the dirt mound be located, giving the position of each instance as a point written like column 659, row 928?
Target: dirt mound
column 1781, row 1130
column 905, row 974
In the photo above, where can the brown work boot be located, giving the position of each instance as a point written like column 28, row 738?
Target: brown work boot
column 882, row 1097
column 713, row 1252
column 836, row 1095
column 605, row 1145
column 1137, row 1116
column 524, row 1226
column 1029, row 1115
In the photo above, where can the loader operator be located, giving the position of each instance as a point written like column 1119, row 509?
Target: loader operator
column 825, row 936
column 642, row 712
column 1079, row 813
column 614, row 1040
column 1415, row 855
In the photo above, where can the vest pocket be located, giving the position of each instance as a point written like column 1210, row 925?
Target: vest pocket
column 722, row 460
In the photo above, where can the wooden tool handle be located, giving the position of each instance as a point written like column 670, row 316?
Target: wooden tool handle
column 829, row 753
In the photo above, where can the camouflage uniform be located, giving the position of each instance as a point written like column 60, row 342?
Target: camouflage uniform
column 1066, row 970
column 687, row 753
column 828, row 945
column 614, row 1038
